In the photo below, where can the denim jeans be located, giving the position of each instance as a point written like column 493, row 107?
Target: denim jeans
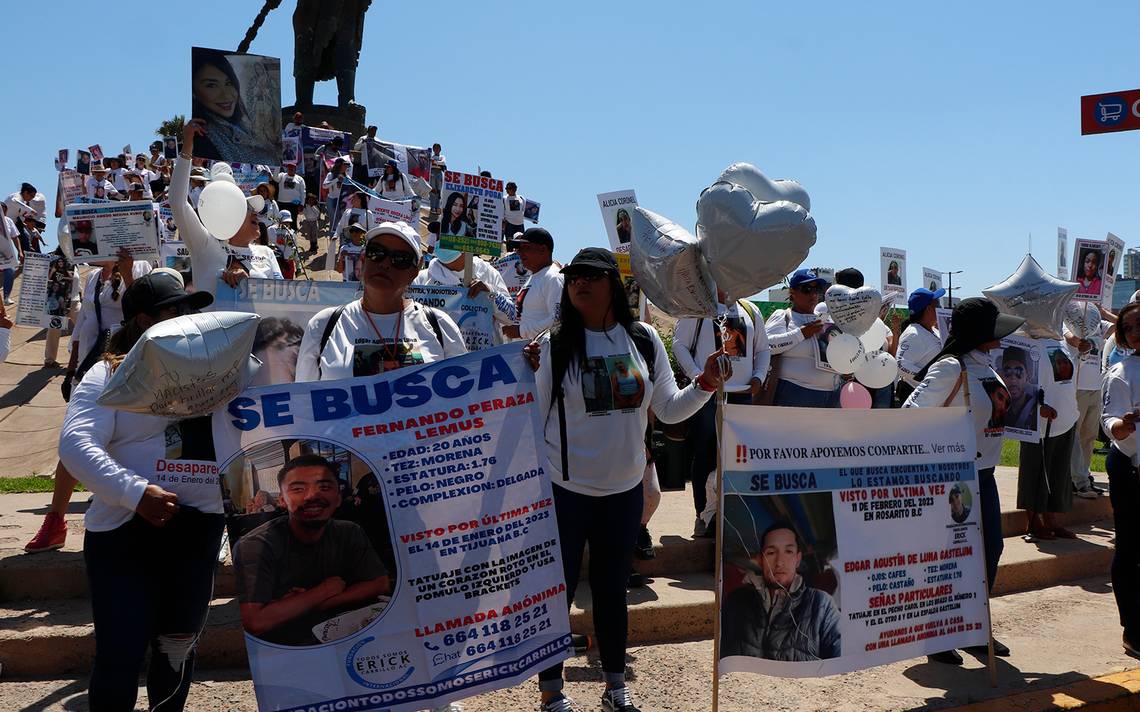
column 702, row 440
column 992, row 540
column 1124, row 492
column 609, row 525
column 789, row 394
column 9, row 281
column 150, row 588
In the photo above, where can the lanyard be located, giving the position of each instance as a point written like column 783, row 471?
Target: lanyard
column 395, row 335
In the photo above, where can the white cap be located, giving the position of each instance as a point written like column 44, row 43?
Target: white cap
column 256, row 203
column 399, row 229
column 1135, row 296
column 284, row 215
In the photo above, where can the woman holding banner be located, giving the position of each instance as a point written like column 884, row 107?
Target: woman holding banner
column 233, row 258
column 961, row 375
column 594, row 446
column 1121, row 394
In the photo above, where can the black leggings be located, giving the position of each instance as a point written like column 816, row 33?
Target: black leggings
column 150, row 587
column 1124, row 491
column 609, row 525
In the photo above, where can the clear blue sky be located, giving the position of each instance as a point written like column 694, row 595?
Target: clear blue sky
column 949, row 130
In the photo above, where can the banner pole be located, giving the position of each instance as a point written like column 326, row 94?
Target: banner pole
column 991, row 664
column 720, row 399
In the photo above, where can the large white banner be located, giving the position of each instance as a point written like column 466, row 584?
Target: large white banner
column 394, row 538
column 473, row 315
column 849, row 541
column 46, row 285
column 99, row 231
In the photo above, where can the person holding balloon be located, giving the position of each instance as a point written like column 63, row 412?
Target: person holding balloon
column 791, row 335
column 220, row 236
column 961, row 375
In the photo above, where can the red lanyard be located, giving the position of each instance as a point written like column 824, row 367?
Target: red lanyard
column 399, row 325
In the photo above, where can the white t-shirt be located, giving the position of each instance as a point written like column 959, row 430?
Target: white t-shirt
column 1090, row 376
column 9, row 253
column 513, row 209
column 797, row 364
column 538, row 301
column 117, row 176
column 290, row 189
column 86, row 328
column 438, row 162
column 988, row 411
column 1121, row 395
column 1055, row 375
column 607, row 411
column 116, row 454
column 917, row 346
column 438, row 273
column 365, row 217
column 101, row 189
column 209, row 255
column 399, row 190
column 355, row 348
column 749, row 344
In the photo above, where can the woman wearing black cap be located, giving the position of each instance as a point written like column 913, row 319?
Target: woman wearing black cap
column 961, row 375
column 598, row 375
column 150, row 549
column 1121, row 394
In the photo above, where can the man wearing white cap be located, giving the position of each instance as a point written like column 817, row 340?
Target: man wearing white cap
column 383, row 330
column 447, row 269
column 97, row 187
column 232, row 257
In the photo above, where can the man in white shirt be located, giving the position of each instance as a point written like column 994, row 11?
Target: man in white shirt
column 370, row 135
column 291, row 191
column 117, row 173
column 98, row 187
column 1086, row 352
column 513, row 207
column 293, row 128
column 745, row 342
column 438, row 166
column 539, row 300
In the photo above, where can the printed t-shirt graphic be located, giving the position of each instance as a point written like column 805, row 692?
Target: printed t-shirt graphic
column 1000, row 401
column 612, row 383
column 371, row 358
column 1063, row 369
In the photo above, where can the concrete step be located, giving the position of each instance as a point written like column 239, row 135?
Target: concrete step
column 53, row 637
column 60, row 574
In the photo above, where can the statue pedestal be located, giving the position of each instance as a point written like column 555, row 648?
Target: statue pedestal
column 349, row 119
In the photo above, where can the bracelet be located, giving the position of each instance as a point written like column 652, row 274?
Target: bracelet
column 703, row 385
column 185, row 155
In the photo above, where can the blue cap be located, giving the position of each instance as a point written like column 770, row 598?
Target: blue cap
column 921, row 298
column 805, row 276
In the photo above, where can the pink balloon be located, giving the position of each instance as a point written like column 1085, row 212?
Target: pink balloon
column 854, row 395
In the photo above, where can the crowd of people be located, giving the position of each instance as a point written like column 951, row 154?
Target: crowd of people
column 604, row 376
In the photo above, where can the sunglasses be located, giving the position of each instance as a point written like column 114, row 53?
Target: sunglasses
column 810, row 289
column 592, row 276
column 400, row 259
column 1015, row 371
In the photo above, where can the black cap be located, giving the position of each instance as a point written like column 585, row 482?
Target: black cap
column 156, row 291
column 27, row 188
column 538, row 236
column 591, row 258
column 849, row 277
column 973, row 322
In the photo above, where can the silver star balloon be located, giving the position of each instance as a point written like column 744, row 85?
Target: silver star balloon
column 1034, row 295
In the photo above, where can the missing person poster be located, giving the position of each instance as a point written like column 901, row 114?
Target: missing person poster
column 385, row 210
column 617, row 210
column 829, row 569
column 1112, row 261
column 944, row 323
column 511, row 268
column 248, row 176
column 70, row 186
column 1089, row 258
column 98, row 231
column 931, row 279
column 1018, row 362
column 411, row 160
column 1062, row 253
column 286, row 306
column 531, row 210
column 176, row 256
column 473, row 315
column 472, row 217
column 313, row 138
column 46, row 288
column 892, row 263
column 410, row 512
column 239, row 97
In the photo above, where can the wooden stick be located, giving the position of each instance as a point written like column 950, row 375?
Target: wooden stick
column 720, row 399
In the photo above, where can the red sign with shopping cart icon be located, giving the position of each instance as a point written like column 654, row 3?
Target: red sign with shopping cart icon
column 1115, row 111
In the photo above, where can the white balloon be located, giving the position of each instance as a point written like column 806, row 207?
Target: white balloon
column 820, row 309
column 845, row 353
column 222, row 208
column 853, row 310
column 668, row 265
column 878, row 371
column 750, row 245
column 220, row 170
column 763, row 188
column 186, row 366
column 874, row 338
column 1081, row 318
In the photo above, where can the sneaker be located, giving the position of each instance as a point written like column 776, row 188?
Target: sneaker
column 643, row 549
column 636, row 580
column 562, row 703
column 1085, row 492
column 1095, row 487
column 618, row 699
column 948, row 657
column 1001, row 650
column 699, row 528
column 9, row 301
column 1129, row 648
column 51, row 535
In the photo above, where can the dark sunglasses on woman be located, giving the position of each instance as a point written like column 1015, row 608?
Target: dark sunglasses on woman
column 400, row 259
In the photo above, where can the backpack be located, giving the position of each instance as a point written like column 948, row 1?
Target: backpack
column 432, row 317
column 642, row 339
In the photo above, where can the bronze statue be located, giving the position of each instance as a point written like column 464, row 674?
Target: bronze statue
column 328, row 36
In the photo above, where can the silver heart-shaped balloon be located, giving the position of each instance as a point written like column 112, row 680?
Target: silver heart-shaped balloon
column 750, row 244
column 668, row 265
column 764, row 188
column 853, row 310
column 1034, row 295
column 1081, row 318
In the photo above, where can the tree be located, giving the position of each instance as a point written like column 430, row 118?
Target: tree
column 172, row 126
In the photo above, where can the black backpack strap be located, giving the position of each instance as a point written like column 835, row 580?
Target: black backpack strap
column 559, row 365
column 327, row 334
column 433, row 319
column 562, row 434
column 98, row 305
column 643, row 340
column 696, row 338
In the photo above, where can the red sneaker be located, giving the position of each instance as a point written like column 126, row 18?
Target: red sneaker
column 51, row 535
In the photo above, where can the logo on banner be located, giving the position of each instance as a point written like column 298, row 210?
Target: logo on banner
column 1110, row 111
column 365, row 668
